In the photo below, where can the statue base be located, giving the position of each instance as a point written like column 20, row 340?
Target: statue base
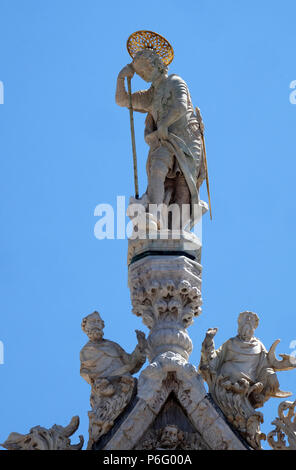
column 164, row 242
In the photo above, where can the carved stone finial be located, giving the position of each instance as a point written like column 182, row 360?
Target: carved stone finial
column 285, row 427
column 55, row 438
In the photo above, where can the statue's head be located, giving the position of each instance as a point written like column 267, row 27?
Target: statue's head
column 148, row 65
column 170, row 436
column 247, row 324
column 93, row 326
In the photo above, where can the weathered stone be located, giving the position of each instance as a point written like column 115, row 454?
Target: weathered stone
column 165, row 292
column 204, row 415
column 175, row 167
column 285, row 428
column 165, row 241
column 241, row 376
column 107, row 368
column 134, row 426
column 55, row 438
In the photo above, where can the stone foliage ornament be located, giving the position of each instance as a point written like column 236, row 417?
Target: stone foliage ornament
column 107, row 368
column 285, row 427
column 241, row 375
column 165, row 293
column 39, row 438
column 109, row 397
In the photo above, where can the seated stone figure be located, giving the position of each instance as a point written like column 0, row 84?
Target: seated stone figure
column 241, row 375
column 107, row 368
column 101, row 357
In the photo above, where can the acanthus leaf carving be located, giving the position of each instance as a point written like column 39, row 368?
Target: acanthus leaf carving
column 285, row 428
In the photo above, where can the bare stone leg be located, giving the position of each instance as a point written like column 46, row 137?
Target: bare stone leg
column 182, row 198
column 160, row 163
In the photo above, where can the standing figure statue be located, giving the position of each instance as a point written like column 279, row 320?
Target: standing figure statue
column 175, row 165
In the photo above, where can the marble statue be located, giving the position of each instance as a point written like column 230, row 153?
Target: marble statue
column 108, row 369
column 285, row 427
column 241, row 375
column 175, row 165
column 102, row 358
column 39, row 438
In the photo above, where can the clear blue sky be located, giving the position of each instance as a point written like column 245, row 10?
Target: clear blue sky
column 65, row 147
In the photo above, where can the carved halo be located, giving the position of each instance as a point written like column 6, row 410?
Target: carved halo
column 141, row 40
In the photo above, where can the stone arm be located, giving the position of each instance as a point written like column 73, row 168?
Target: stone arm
column 208, row 350
column 140, row 99
column 150, row 133
column 136, row 359
column 150, row 125
column 87, row 366
column 210, row 357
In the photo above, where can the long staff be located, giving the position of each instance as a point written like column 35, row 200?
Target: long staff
column 133, row 138
column 206, row 165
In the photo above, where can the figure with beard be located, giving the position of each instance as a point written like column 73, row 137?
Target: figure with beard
column 241, row 376
column 102, row 358
column 108, row 369
column 243, row 362
column 170, row 437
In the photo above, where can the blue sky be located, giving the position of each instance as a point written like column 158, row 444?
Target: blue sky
column 65, row 147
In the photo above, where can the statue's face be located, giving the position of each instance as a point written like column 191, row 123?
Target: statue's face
column 94, row 328
column 169, row 436
column 145, row 68
column 247, row 327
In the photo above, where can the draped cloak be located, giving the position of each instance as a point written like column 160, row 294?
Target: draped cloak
column 184, row 139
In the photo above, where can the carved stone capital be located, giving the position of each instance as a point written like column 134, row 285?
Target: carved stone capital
column 165, row 293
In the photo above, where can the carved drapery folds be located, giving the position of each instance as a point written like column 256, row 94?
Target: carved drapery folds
column 241, row 376
column 165, row 293
column 39, row 438
column 285, row 428
column 107, row 368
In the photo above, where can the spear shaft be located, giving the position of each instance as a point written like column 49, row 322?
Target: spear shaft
column 133, row 138
column 197, row 112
